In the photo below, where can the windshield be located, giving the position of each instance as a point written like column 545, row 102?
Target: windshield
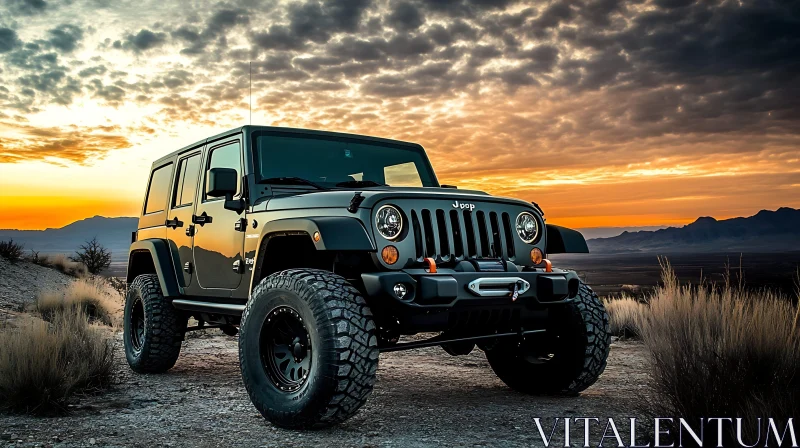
column 334, row 161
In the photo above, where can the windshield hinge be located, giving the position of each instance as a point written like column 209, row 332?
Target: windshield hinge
column 355, row 202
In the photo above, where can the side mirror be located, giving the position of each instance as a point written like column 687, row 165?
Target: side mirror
column 222, row 182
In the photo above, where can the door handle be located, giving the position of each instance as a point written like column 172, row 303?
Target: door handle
column 174, row 223
column 201, row 219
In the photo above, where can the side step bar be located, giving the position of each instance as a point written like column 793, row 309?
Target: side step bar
column 208, row 307
column 438, row 340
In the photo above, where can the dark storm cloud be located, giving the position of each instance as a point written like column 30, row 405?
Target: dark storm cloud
column 220, row 22
column 8, row 40
column 312, row 21
column 28, row 7
column 65, row 37
column 142, row 41
column 405, row 17
column 96, row 70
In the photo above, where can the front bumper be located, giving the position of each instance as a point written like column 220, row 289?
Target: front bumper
column 451, row 289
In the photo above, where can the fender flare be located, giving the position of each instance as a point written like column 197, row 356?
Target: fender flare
column 336, row 233
column 561, row 240
column 162, row 261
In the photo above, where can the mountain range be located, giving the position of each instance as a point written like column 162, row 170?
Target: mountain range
column 766, row 231
column 113, row 233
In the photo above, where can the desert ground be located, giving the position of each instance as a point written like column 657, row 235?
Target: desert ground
column 422, row 398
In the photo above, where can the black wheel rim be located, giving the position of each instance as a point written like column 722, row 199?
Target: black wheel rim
column 137, row 325
column 285, row 349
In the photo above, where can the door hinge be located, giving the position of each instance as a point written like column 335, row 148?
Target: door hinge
column 240, row 225
column 237, row 266
column 190, row 230
column 187, row 267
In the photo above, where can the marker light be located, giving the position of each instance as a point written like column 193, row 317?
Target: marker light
column 536, row 255
column 390, row 255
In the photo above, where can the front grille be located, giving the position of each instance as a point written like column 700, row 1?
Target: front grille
column 458, row 234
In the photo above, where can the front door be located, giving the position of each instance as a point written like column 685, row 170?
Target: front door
column 179, row 220
column 218, row 245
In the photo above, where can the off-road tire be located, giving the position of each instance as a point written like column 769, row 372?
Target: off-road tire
column 579, row 352
column 164, row 327
column 343, row 349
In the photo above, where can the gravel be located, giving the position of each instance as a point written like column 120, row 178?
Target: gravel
column 422, row 398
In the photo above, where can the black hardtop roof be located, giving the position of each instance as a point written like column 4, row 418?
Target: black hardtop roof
column 251, row 128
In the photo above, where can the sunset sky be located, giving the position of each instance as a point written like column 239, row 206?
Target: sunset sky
column 606, row 113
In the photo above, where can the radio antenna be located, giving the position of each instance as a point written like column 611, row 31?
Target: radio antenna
column 250, row 66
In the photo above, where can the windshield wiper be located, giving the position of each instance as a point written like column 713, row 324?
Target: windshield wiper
column 360, row 183
column 291, row 181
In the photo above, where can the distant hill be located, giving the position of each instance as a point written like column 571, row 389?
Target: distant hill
column 113, row 233
column 607, row 232
column 766, row 231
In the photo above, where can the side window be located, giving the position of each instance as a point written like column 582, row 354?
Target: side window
column 158, row 190
column 228, row 156
column 186, row 181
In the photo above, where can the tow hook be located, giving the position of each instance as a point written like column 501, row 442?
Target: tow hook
column 515, row 293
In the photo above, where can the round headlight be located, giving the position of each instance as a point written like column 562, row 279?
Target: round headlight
column 389, row 222
column 527, row 227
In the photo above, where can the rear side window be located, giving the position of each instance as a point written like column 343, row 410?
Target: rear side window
column 158, row 190
column 228, row 156
column 186, row 181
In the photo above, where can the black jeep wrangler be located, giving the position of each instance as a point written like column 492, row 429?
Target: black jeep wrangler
column 323, row 249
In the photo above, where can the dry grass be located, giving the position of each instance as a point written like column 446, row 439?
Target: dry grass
column 10, row 250
column 43, row 364
column 625, row 315
column 61, row 263
column 92, row 296
column 723, row 351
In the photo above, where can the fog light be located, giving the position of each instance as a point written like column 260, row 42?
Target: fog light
column 390, row 255
column 536, row 255
column 400, row 290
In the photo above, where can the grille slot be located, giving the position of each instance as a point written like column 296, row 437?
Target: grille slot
column 427, row 228
column 483, row 234
column 509, row 237
column 458, row 240
column 417, row 234
column 472, row 249
column 454, row 234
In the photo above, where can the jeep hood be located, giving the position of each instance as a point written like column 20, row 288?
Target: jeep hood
column 372, row 196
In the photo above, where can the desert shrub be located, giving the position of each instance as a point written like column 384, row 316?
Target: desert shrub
column 94, row 256
column 10, row 250
column 43, row 364
column 62, row 263
column 722, row 351
column 93, row 297
column 625, row 315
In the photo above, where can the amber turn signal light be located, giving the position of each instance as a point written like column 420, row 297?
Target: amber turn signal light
column 536, row 255
column 390, row 255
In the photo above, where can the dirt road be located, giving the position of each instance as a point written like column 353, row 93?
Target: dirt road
column 422, row 398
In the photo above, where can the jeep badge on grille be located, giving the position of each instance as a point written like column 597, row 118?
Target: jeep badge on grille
column 463, row 205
